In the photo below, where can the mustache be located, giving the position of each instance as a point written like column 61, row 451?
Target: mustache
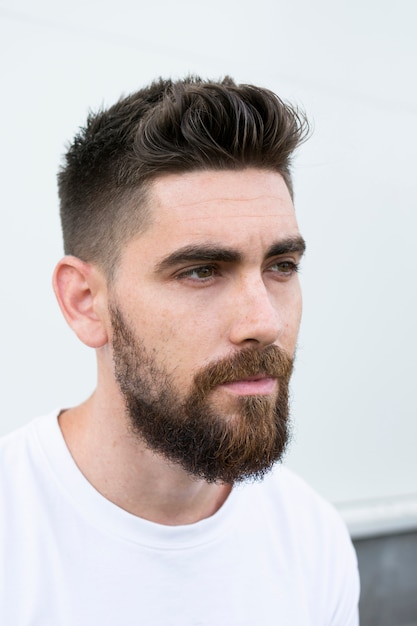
column 272, row 362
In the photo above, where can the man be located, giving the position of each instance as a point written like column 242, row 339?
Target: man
column 159, row 500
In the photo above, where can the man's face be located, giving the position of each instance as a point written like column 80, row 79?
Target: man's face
column 205, row 310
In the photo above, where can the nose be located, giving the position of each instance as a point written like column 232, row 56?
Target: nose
column 256, row 317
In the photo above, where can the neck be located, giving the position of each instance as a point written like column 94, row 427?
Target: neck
column 119, row 465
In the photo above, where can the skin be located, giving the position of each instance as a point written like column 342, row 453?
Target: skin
column 213, row 273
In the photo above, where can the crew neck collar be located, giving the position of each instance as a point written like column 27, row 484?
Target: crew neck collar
column 111, row 518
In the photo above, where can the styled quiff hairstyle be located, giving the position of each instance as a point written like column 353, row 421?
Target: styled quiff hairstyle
column 166, row 128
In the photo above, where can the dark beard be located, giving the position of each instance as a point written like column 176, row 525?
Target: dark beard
column 206, row 443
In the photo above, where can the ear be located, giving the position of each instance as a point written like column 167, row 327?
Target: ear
column 81, row 291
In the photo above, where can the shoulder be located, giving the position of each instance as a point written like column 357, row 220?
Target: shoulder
column 305, row 511
column 313, row 540
column 301, row 520
column 285, row 486
column 14, row 444
column 21, row 450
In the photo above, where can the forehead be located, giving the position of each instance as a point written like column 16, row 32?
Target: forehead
column 215, row 203
column 248, row 212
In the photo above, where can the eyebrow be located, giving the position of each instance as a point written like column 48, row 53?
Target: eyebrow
column 292, row 244
column 210, row 252
column 199, row 252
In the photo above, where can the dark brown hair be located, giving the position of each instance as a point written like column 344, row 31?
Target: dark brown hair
column 168, row 127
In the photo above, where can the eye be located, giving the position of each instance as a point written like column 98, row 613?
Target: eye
column 201, row 273
column 284, row 268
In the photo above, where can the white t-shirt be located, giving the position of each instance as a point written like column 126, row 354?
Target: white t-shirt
column 275, row 552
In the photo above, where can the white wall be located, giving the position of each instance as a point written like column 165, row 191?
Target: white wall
column 352, row 65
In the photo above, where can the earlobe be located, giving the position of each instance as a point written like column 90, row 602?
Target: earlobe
column 80, row 289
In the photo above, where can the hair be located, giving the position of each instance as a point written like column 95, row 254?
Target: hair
column 166, row 128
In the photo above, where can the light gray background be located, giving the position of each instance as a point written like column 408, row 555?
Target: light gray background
column 352, row 66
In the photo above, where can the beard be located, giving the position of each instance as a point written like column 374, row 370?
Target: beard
column 218, row 446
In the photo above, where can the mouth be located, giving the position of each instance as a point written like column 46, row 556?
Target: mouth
column 259, row 385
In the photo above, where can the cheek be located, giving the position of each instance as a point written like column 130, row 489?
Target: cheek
column 189, row 343
column 292, row 321
column 177, row 336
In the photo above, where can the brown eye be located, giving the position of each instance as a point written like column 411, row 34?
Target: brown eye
column 284, row 268
column 202, row 273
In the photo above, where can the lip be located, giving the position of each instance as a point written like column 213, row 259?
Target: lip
column 252, row 386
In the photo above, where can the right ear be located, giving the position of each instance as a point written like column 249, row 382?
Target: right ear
column 81, row 291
